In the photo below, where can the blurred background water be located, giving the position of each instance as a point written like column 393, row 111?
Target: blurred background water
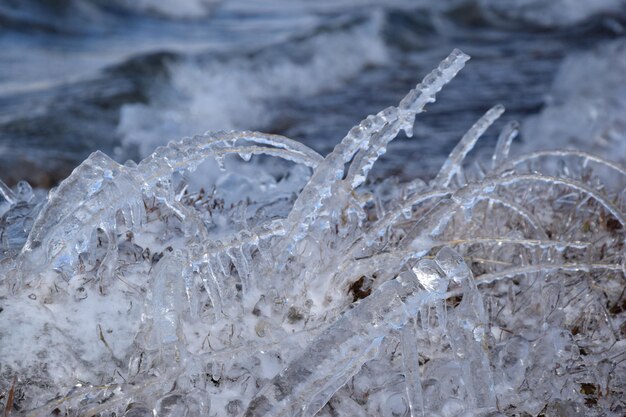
column 125, row 76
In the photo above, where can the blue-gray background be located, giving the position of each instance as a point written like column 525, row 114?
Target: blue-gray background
column 127, row 75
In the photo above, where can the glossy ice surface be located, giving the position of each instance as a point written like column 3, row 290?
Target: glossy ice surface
column 201, row 283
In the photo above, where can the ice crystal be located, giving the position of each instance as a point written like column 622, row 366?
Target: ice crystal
column 132, row 291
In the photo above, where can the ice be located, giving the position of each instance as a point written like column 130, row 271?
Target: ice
column 172, row 287
column 453, row 164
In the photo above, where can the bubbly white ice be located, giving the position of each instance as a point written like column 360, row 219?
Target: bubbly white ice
column 143, row 289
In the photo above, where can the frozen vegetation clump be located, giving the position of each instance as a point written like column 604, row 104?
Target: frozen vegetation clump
column 147, row 290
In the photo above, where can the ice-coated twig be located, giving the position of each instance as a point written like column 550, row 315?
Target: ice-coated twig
column 522, row 212
column 187, row 154
column 381, row 226
column 365, row 158
column 454, row 163
column 88, row 189
column 554, row 154
column 503, row 146
column 94, row 193
column 335, row 355
column 565, row 182
column 529, row 243
column 312, row 198
column 287, row 154
column 7, row 193
column 546, row 267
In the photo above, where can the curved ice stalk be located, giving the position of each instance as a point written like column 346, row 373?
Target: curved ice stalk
column 546, row 267
column 187, row 154
column 94, row 179
column 7, row 193
column 528, row 243
column 386, row 125
column 337, row 354
column 287, row 154
column 382, row 225
column 575, row 185
column 365, row 158
column 522, row 212
column 503, row 146
column 95, row 191
column 561, row 154
column 454, row 163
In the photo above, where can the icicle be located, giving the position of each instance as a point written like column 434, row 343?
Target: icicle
column 167, row 300
column 453, row 164
column 503, row 146
column 189, row 279
column 410, row 361
column 238, row 259
column 211, row 286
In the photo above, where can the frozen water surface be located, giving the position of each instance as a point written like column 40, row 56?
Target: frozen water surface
column 200, row 282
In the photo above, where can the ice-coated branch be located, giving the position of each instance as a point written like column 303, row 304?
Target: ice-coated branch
column 454, row 163
column 7, row 193
column 503, row 146
column 522, row 212
column 187, row 154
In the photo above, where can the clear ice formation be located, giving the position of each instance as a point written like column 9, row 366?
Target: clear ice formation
column 492, row 290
